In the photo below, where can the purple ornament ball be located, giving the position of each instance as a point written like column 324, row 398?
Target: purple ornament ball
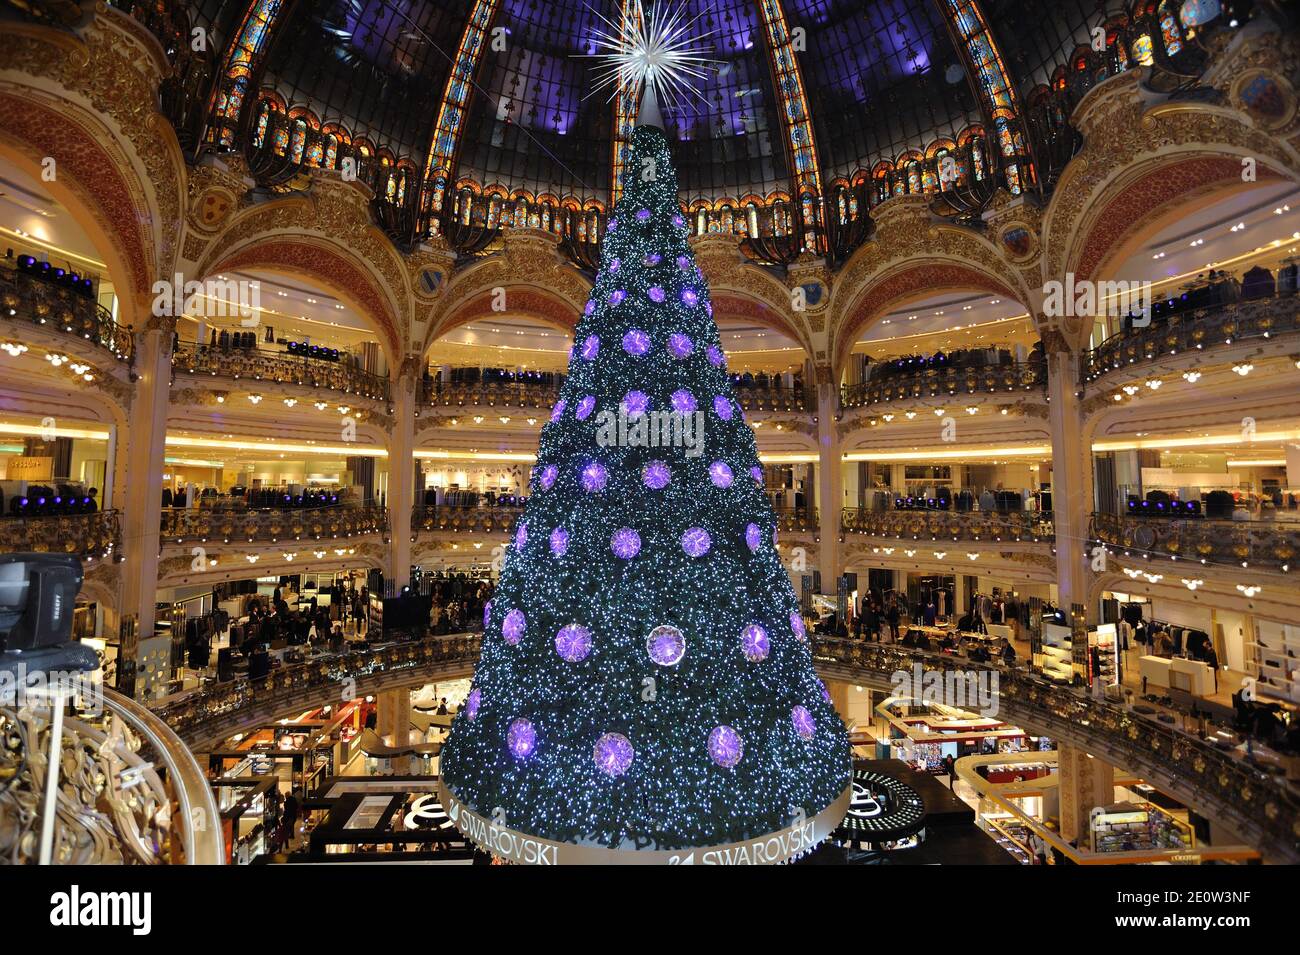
column 573, row 643
column 666, row 645
column 753, row 537
column 720, row 474
column 521, row 739
column 514, row 626
column 725, row 746
column 625, row 543
column 594, row 477
column 613, row 754
column 559, row 542
column 472, row 703
column 754, row 643
column 656, row 475
column 803, row 721
column 696, row 542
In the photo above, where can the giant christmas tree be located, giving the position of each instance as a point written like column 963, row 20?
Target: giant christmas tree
column 645, row 680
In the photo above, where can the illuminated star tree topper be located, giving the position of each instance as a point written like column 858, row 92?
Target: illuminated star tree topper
column 651, row 50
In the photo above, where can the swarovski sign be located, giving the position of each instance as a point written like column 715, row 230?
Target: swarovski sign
column 525, row 849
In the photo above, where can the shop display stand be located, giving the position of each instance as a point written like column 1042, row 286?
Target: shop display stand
column 1058, row 653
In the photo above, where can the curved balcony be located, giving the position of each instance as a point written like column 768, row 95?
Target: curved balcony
column 925, row 382
column 796, row 520
column 255, row 364
column 271, row 525
column 211, row 714
column 48, row 304
column 1256, row 802
column 129, row 791
column 757, row 397
column 1031, row 526
column 88, row 536
column 1263, row 545
column 492, row 394
column 1194, row 331
column 456, row 519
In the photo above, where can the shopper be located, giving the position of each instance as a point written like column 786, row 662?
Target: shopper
column 1038, row 846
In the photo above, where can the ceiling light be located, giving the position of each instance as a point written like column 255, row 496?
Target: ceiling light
column 255, row 399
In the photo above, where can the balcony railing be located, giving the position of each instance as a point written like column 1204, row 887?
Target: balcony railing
column 796, row 520
column 43, row 302
column 756, row 397
column 1194, row 331
column 222, row 708
column 1029, row 526
column 88, row 536
column 255, row 364
column 271, row 525
column 486, row 518
column 1260, row 803
column 493, row 394
column 1266, row 545
column 927, row 382
column 129, row 792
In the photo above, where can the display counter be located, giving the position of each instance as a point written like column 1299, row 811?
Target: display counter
column 1177, row 673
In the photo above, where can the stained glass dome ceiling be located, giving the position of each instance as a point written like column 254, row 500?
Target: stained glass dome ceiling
column 880, row 77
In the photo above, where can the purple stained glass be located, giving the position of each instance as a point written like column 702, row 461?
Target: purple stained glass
column 754, row 643
column 803, row 721
column 617, row 296
column 680, row 346
column 585, row 407
column 521, row 535
column 656, row 294
column 797, row 625
column 559, row 542
column 573, row 643
column 625, row 543
column 590, row 347
column 558, row 410
column 594, row 477
column 487, row 613
column 656, row 475
column 722, row 407
column 472, row 703
column 546, row 477
column 590, row 308
column 690, row 297
column 643, row 215
column 753, row 536
column 635, row 403
column 683, row 402
column 720, row 474
column 725, row 746
column 653, row 259
column 756, row 472
column 684, row 262
column 521, row 739
column 514, row 626
column 636, row 342
column 613, row 754
column 716, row 358
column 666, row 645
column 696, row 542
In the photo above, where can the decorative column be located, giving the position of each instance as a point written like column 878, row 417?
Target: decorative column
column 140, row 454
column 1071, row 461
column 1085, row 783
column 830, row 480
column 393, row 723
column 401, row 472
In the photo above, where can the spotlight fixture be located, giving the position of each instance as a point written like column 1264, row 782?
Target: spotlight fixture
column 1191, row 377
column 1244, row 369
column 1249, row 591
